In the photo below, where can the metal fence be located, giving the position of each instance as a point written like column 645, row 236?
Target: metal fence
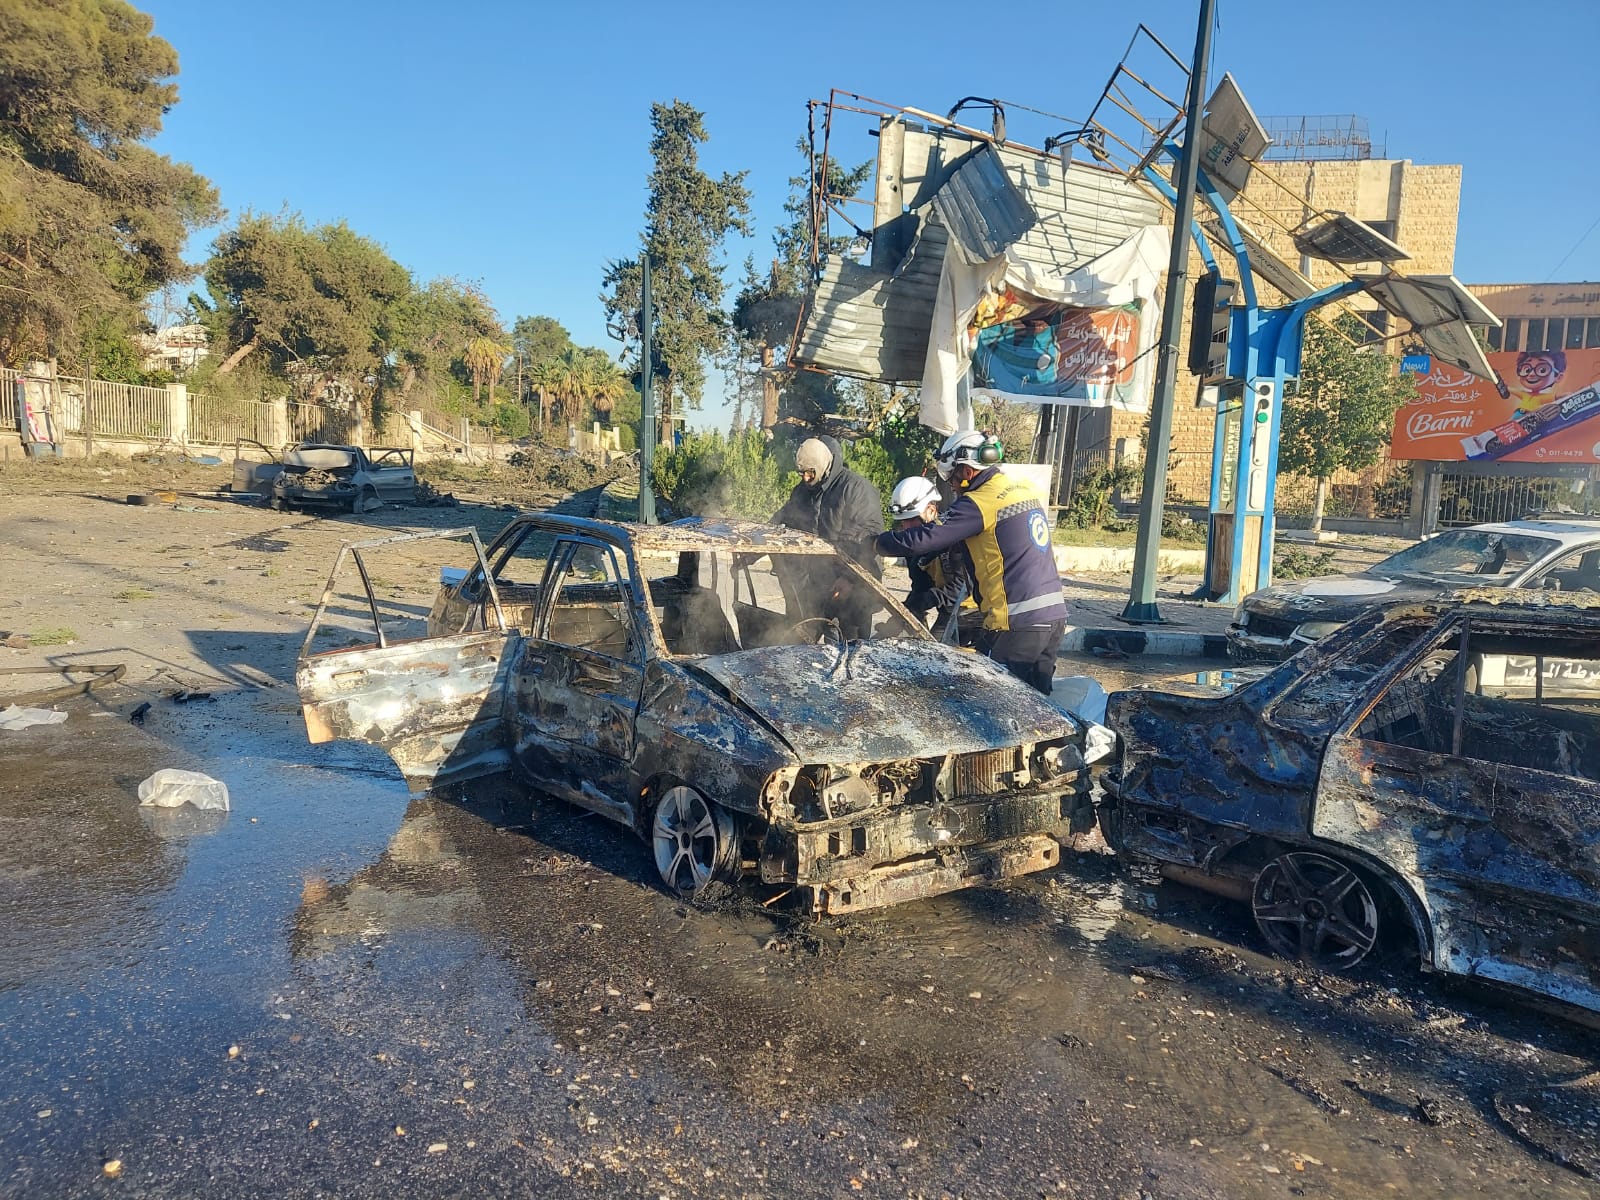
column 1382, row 492
column 318, row 423
column 1473, row 496
column 220, row 422
column 97, row 406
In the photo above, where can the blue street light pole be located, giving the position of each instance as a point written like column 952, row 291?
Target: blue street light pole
column 1264, row 347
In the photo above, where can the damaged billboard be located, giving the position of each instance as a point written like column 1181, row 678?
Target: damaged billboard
column 1036, row 272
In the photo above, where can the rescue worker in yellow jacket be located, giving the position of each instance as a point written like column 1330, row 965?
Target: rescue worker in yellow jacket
column 1006, row 531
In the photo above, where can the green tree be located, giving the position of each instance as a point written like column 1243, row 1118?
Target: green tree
column 539, row 338
column 91, row 219
column 485, row 359
column 1340, row 415
column 435, row 322
column 768, row 307
column 687, row 217
column 323, row 305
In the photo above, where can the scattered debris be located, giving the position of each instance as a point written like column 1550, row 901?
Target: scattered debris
column 429, row 496
column 16, row 717
column 16, row 641
column 184, row 697
column 170, row 788
column 1562, row 1120
column 138, row 715
column 1432, row 1112
column 100, row 674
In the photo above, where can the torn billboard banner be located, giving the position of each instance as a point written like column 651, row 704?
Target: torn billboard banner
column 1078, row 337
column 1054, row 353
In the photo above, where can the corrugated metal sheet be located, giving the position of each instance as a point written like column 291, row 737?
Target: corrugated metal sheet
column 981, row 208
column 873, row 322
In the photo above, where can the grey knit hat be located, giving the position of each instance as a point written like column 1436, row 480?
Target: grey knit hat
column 814, row 455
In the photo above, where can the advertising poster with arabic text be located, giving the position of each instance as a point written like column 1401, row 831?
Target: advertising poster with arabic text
column 1550, row 412
column 1054, row 353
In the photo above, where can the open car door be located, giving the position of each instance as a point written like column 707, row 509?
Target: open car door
column 434, row 703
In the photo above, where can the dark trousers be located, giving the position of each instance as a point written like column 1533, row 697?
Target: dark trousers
column 1029, row 653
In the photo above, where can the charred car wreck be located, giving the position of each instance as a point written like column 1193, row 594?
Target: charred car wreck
column 1431, row 768
column 346, row 477
column 690, row 682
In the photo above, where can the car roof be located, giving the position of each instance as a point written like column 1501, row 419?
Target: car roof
column 1567, row 532
column 691, row 533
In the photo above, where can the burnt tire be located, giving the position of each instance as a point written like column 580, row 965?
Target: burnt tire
column 1316, row 909
column 694, row 841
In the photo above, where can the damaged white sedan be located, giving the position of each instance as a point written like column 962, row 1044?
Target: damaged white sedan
column 691, row 682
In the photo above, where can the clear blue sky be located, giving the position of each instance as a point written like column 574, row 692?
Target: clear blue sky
column 506, row 142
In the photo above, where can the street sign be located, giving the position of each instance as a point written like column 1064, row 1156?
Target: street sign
column 1416, row 364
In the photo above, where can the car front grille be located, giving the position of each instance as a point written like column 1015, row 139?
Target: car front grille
column 1272, row 627
column 985, row 773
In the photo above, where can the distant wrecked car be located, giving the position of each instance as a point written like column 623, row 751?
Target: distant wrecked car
column 1431, row 769
column 318, row 475
column 690, row 681
column 1558, row 555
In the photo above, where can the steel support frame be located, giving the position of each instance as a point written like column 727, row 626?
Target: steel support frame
column 1264, row 346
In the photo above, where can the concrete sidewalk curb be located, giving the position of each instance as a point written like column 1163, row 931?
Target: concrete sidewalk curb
column 1175, row 643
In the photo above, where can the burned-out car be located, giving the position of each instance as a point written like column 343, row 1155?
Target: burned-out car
column 314, row 475
column 1555, row 554
column 691, row 682
column 1431, row 769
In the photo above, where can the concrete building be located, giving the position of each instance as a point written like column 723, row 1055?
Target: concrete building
column 1413, row 204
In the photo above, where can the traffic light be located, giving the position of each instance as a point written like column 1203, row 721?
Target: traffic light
column 1209, row 320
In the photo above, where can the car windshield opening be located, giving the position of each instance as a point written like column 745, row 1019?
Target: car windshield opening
column 1482, row 557
column 718, row 602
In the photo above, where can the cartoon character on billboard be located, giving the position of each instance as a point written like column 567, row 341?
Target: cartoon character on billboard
column 1538, row 371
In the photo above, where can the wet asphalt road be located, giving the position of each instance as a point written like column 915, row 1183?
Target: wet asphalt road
column 342, row 990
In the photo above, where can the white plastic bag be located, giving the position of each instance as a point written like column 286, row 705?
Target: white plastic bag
column 12, row 717
column 169, row 788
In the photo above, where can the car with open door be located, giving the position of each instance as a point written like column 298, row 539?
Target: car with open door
column 1431, row 769
column 692, row 682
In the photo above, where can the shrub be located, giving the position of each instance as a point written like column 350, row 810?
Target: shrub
column 710, row 475
column 1295, row 563
column 1090, row 506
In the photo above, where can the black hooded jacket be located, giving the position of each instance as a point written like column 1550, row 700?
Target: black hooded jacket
column 844, row 509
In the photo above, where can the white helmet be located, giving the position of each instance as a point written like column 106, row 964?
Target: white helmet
column 911, row 496
column 968, row 446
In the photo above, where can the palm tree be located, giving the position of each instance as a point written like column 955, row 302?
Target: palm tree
column 608, row 386
column 485, row 358
column 545, row 377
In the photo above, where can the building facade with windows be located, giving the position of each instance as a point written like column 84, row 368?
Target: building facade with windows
column 1542, row 316
column 1415, row 205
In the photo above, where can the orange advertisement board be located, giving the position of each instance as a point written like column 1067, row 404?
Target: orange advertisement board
column 1550, row 412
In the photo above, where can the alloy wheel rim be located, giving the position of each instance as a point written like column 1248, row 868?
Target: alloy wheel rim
column 686, row 840
column 1316, row 909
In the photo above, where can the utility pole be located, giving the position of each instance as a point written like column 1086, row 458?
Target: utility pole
column 1142, row 608
column 647, row 399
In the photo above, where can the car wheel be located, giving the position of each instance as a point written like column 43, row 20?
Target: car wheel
column 1316, row 909
column 693, row 840
column 367, row 501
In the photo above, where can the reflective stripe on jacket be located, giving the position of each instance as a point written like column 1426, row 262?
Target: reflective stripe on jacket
column 1007, row 532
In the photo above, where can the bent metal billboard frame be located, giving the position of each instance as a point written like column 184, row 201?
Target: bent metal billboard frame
column 1551, row 413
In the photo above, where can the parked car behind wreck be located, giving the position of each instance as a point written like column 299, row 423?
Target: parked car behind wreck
column 1554, row 554
column 1431, row 769
column 691, row 682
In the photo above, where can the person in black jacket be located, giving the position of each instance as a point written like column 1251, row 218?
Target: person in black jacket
column 843, row 509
